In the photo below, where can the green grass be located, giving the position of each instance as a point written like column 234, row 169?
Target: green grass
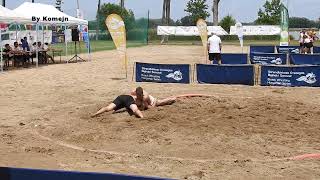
column 95, row 46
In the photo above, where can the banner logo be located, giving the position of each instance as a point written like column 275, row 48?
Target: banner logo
column 177, row 75
column 117, row 30
column 115, row 23
column 203, row 32
column 310, row 78
column 277, row 61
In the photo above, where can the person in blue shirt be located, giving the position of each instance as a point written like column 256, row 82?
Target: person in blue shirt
column 25, row 44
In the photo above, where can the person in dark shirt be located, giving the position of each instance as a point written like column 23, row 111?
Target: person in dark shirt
column 25, row 44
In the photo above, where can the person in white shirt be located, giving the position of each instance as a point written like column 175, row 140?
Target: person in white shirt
column 307, row 43
column 214, row 48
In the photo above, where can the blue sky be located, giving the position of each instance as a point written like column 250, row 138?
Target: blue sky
column 242, row 10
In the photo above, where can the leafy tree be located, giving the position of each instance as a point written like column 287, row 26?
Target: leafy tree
column 185, row 21
column 299, row 22
column 271, row 14
column 197, row 9
column 109, row 8
column 226, row 22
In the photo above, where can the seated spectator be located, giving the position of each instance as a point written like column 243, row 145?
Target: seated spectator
column 47, row 48
column 19, row 54
column 7, row 52
column 33, row 50
column 7, row 48
column 41, row 54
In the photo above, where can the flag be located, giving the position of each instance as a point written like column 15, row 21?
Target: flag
column 284, row 36
column 117, row 30
column 203, row 32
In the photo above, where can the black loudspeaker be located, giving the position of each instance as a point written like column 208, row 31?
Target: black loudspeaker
column 75, row 34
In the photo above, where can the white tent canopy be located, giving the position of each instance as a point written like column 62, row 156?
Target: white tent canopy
column 9, row 16
column 47, row 14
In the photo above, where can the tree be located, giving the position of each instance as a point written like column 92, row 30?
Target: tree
column 215, row 12
column 165, row 17
column 227, row 22
column 98, row 20
column 197, row 9
column 109, row 8
column 298, row 22
column 122, row 3
column 271, row 14
column 185, row 21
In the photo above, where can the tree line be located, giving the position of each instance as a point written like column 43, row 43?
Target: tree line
column 269, row 14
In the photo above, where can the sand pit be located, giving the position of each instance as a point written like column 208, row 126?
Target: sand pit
column 240, row 132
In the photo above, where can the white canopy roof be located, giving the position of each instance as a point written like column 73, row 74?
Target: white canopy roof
column 47, row 14
column 9, row 16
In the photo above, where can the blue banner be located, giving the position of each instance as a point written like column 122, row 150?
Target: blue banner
column 290, row 76
column 233, row 59
column 316, row 49
column 262, row 49
column 225, row 74
column 305, row 59
column 35, row 174
column 163, row 73
column 268, row 59
column 288, row 49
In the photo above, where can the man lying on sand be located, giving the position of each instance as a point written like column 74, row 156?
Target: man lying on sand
column 150, row 102
column 137, row 101
column 133, row 103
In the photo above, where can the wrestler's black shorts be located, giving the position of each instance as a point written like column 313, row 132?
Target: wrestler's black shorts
column 308, row 45
column 215, row 56
column 123, row 101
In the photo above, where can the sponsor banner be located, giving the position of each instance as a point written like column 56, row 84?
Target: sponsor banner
column 202, row 28
column 290, row 76
column 288, row 49
column 188, row 30
column 7, row 173
column 268, row 59
column 67, row 35
column 233, row 59
column 117, row 30
column 305, row 59
column 316, row 49
column 9, row 37
column 256, row 30
column 284, row 35
column 262, row 49
column 163, row 73
column 225, row 74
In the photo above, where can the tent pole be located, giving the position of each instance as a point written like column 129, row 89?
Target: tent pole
column 89, row 45
column 42, row 34
column 37, row 52
column 66, row 42
column 16, row 32
column 1, row 51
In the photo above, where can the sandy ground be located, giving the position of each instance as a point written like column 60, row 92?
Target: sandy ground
column 242, row 132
